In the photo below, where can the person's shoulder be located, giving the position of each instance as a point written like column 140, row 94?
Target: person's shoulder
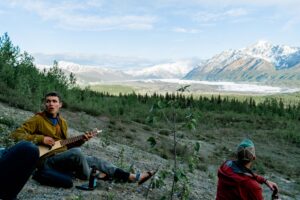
column 226, row 164
column 35, row 117
column 39, row 115
column 63, row 120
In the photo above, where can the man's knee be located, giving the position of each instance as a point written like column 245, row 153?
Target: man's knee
column 76, row 152
column 28, row 149
column 80, row 163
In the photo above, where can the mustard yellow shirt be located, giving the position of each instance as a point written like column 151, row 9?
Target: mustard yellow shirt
column 39, row 126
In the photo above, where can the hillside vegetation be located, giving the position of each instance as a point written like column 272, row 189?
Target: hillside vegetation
column 145, row 128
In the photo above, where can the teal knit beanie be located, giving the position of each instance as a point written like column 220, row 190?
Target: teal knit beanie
column 246, row 150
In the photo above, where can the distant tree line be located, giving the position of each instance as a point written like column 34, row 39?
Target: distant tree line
column 23, row 85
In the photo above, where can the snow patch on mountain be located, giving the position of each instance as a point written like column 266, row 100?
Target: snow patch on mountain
column 263, row 56
column 167, row 70
column 282, row 56
column 86, row 74
column 226, row 57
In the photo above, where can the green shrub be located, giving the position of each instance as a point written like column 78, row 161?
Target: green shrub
column 7, row 121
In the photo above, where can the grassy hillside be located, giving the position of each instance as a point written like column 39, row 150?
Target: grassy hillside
column 112, row 89
column 217, row 132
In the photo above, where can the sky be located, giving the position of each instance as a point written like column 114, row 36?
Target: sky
column 127, row 32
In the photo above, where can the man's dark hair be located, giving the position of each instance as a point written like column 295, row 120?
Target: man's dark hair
column 52, row 94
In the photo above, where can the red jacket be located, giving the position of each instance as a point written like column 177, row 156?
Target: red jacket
column 237, row 184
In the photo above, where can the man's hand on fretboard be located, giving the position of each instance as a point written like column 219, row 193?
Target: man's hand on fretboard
column 90, row 134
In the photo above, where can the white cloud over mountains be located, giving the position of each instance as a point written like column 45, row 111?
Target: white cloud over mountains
column 86, row 15
column 184, row 30
column 108, row 61
column 156, row 29
column 102, row 15
column 205, row 16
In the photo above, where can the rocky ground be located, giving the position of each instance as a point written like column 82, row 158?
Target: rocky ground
column 126, row 150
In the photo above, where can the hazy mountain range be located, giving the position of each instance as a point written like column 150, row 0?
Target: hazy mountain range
column 261, row 62
column 87, row 74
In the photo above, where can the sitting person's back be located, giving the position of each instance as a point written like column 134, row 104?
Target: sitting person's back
column 237, row 181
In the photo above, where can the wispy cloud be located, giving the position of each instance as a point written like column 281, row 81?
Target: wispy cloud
column 95, row 60
column 185, row 30
column 278, row 3
column 291, row 23
column 70, row 23
column 205, row 16
column 85, row 15
column 101, row 15
column 78, row 22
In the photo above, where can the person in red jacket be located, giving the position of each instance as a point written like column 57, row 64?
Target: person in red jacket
column 237, row 181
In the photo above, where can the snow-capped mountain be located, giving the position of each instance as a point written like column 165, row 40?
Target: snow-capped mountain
column 87, row 74
column 171, row 70
column 282, row 56
column 259, row 62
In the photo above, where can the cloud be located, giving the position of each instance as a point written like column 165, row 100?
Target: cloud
column 184, row 30
column 206, row 16
column 94, row 23
column 85, row 15
column 110, row 61
column 102, row 15
column 259, row 3
column 291, row 24
column 236, row 12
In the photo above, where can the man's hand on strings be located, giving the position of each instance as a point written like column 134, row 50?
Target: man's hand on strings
column 49, row 141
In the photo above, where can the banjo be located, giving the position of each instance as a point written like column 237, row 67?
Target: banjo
column 45, row 149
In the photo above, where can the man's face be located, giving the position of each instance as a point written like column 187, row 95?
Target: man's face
column 53, row 105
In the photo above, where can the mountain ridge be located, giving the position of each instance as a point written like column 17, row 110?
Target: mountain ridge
column 260, row 62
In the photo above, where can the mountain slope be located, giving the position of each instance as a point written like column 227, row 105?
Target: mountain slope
column 262, row 62
column 87, row 74
column 170, row 70
column 90, row 74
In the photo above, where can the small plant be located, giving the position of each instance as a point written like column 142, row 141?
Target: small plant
column 167, row 110
column 133, row 130
column 104, row 138
column 151, row 141
column 146, row 128
column 164, row 132
column 120, row 161
column 7, row 121
column 110, row 196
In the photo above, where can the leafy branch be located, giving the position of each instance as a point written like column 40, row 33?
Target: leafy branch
column 178, row 175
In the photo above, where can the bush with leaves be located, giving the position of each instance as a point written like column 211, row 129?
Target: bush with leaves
column 166, row 110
